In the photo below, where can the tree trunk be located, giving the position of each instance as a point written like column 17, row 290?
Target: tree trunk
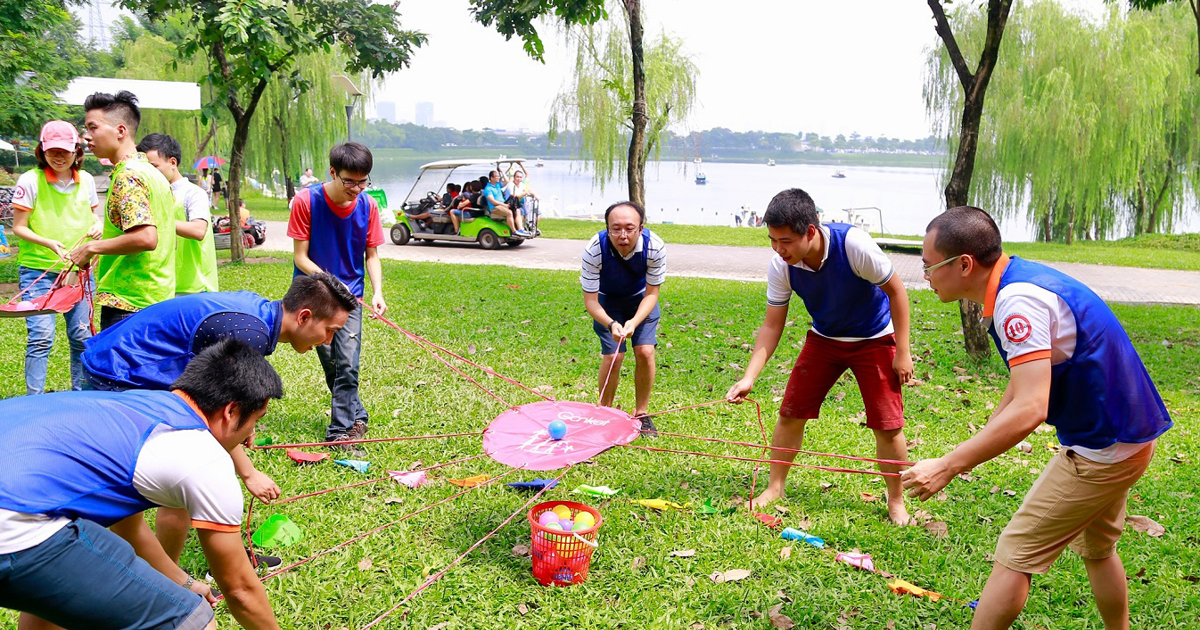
column 637, row 140
column 203, row 144
column 975, row 337
column 233, row 187
column 287, row 169
column 1071, row 225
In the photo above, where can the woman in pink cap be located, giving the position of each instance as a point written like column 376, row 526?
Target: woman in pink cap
column 53, row 210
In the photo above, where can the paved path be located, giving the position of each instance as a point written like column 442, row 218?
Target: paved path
column 1115, row 284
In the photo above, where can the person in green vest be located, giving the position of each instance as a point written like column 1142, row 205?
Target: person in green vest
column 135, row 259
column 195, row 252
column 53, row 209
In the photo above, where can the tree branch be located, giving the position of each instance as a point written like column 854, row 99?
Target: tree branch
column 956, row 57
column 998, row 11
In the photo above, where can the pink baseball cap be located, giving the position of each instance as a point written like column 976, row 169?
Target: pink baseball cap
column 59, row 134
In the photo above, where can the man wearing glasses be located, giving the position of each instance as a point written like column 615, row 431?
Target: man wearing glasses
column 335, row 228
column 1071, row 365
column 623, row 267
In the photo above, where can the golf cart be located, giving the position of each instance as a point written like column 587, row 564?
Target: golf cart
column 476, row 225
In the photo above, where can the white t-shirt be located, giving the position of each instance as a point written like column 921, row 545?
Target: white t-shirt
column 866, row 260
column 25, row 194
column 195, row 200
column 185, row 469
column 1035, row 323
column 656, row 262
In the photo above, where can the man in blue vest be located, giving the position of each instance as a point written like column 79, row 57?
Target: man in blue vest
column 335, row 228
column 77, row 462
column 859, row 311
column 623, row 267
column 151, row 348
column 1071, row 365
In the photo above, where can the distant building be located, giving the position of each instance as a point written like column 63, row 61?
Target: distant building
column 425, row 114
column 386, row 110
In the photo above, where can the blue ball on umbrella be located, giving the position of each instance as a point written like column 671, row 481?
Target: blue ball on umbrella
column 558, row 430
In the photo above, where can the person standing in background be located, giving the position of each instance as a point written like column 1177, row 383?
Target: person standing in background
column 195, row 251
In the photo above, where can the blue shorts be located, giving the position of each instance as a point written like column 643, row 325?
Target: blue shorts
column 85, row 576
column 623, row 310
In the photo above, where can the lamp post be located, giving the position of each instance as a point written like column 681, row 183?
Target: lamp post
column 354, row 93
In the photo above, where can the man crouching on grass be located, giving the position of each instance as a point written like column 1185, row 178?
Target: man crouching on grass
column 77, row 462
column 1071, row 365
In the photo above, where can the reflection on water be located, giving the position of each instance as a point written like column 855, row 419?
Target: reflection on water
column 907, row 198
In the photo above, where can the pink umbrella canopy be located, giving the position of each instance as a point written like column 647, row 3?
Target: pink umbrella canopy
column 520, row 437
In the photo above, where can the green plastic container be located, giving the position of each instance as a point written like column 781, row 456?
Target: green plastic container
column 277, row 531
column 380, row 197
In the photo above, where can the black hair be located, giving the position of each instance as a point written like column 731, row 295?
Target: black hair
column 967, row 230
column 123, row 105
column 351, row 157
column 792, row 208
column 641, row 212
column 452, row 187
column 230, row 371
column 40, row 156
column 162, row 144
column 321, row 293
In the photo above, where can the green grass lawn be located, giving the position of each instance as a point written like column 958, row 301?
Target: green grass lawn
column 1157, row 251
column 531, row 325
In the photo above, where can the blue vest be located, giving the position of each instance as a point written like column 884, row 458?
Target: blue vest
column 841, row 303
column 1102, row 394
column 72, row 454
column 337, row 245
column 151, row 348
column 620, row 278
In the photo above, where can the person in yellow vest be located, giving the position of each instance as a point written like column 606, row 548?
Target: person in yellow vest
column 135, row 259
column 53, row 210
column 195, row 251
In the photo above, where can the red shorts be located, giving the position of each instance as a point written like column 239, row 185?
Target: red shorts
column 822, row 362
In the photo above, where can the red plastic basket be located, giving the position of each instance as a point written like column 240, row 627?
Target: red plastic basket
column 562, row 558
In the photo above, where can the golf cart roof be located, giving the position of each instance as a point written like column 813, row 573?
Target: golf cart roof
column 449, row 164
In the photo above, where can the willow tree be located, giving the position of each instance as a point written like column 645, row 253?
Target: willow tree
column 623, row 96
column 299, row 119
column 1194, row 5
column 250, row 43
column 969, row 108
column 152, row 57
column 1091, row 125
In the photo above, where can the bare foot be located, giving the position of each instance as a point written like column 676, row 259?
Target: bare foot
column 768, row 496
column 898, row 514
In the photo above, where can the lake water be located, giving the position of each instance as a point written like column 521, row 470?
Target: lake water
column 906, row 198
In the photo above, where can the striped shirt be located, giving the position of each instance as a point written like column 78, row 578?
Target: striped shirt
column 656, row 262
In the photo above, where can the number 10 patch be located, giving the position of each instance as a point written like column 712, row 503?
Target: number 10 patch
column 1017, row 328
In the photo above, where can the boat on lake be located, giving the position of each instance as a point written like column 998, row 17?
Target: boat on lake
column 770, row 162
column 839, row 174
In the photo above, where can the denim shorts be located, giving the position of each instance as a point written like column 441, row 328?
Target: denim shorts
column 85, row 576
column 623, row 310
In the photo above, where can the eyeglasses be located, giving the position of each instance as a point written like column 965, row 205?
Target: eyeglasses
column 624, row 231
column 354, row 183
column 930, row 268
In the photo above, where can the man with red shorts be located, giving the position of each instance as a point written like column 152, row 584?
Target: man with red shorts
column 859, row 311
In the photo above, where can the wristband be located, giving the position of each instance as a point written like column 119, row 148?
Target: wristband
column 189, row 582
column 610, row 323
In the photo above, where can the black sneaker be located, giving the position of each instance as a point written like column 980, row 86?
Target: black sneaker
column 350, row 451
column 262, row 562
column 648, row 428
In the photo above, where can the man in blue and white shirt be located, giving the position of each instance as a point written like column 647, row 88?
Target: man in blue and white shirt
column 623, row 267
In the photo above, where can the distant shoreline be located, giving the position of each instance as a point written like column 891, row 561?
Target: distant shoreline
column 757, row 157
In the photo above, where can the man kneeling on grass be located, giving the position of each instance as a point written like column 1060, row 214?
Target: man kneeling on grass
column 77, row 462
column 1071, row 365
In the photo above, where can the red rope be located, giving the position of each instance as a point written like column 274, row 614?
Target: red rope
column 377, row 529
column 429, row 344
column 763, row 461
column 436, row 576
column 364, row 441
column 895, row 462
column 363, row 483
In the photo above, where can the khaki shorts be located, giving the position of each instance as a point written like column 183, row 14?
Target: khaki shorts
column 1075, row 502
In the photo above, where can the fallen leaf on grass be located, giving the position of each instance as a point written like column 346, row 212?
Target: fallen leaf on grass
column 731, row 575
column 365, row 564
column 804, row 524
column 782, row 510
column 440, row 626
column 785, row 553
column 995, row 489
column 523, row 609
column 683, row 553
column 638, row 563
column 391, row 500
column 1145, row 524
column 868, row 497
column 1010, row 493
column 784, row 596
column 937, row 528
column 826, row 487
column 697, row 626
column 520, row 550
column 780, row 620
column 1025, row 447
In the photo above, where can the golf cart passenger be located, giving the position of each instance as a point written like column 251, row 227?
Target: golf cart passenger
column 451, row 194
column 494, row 194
